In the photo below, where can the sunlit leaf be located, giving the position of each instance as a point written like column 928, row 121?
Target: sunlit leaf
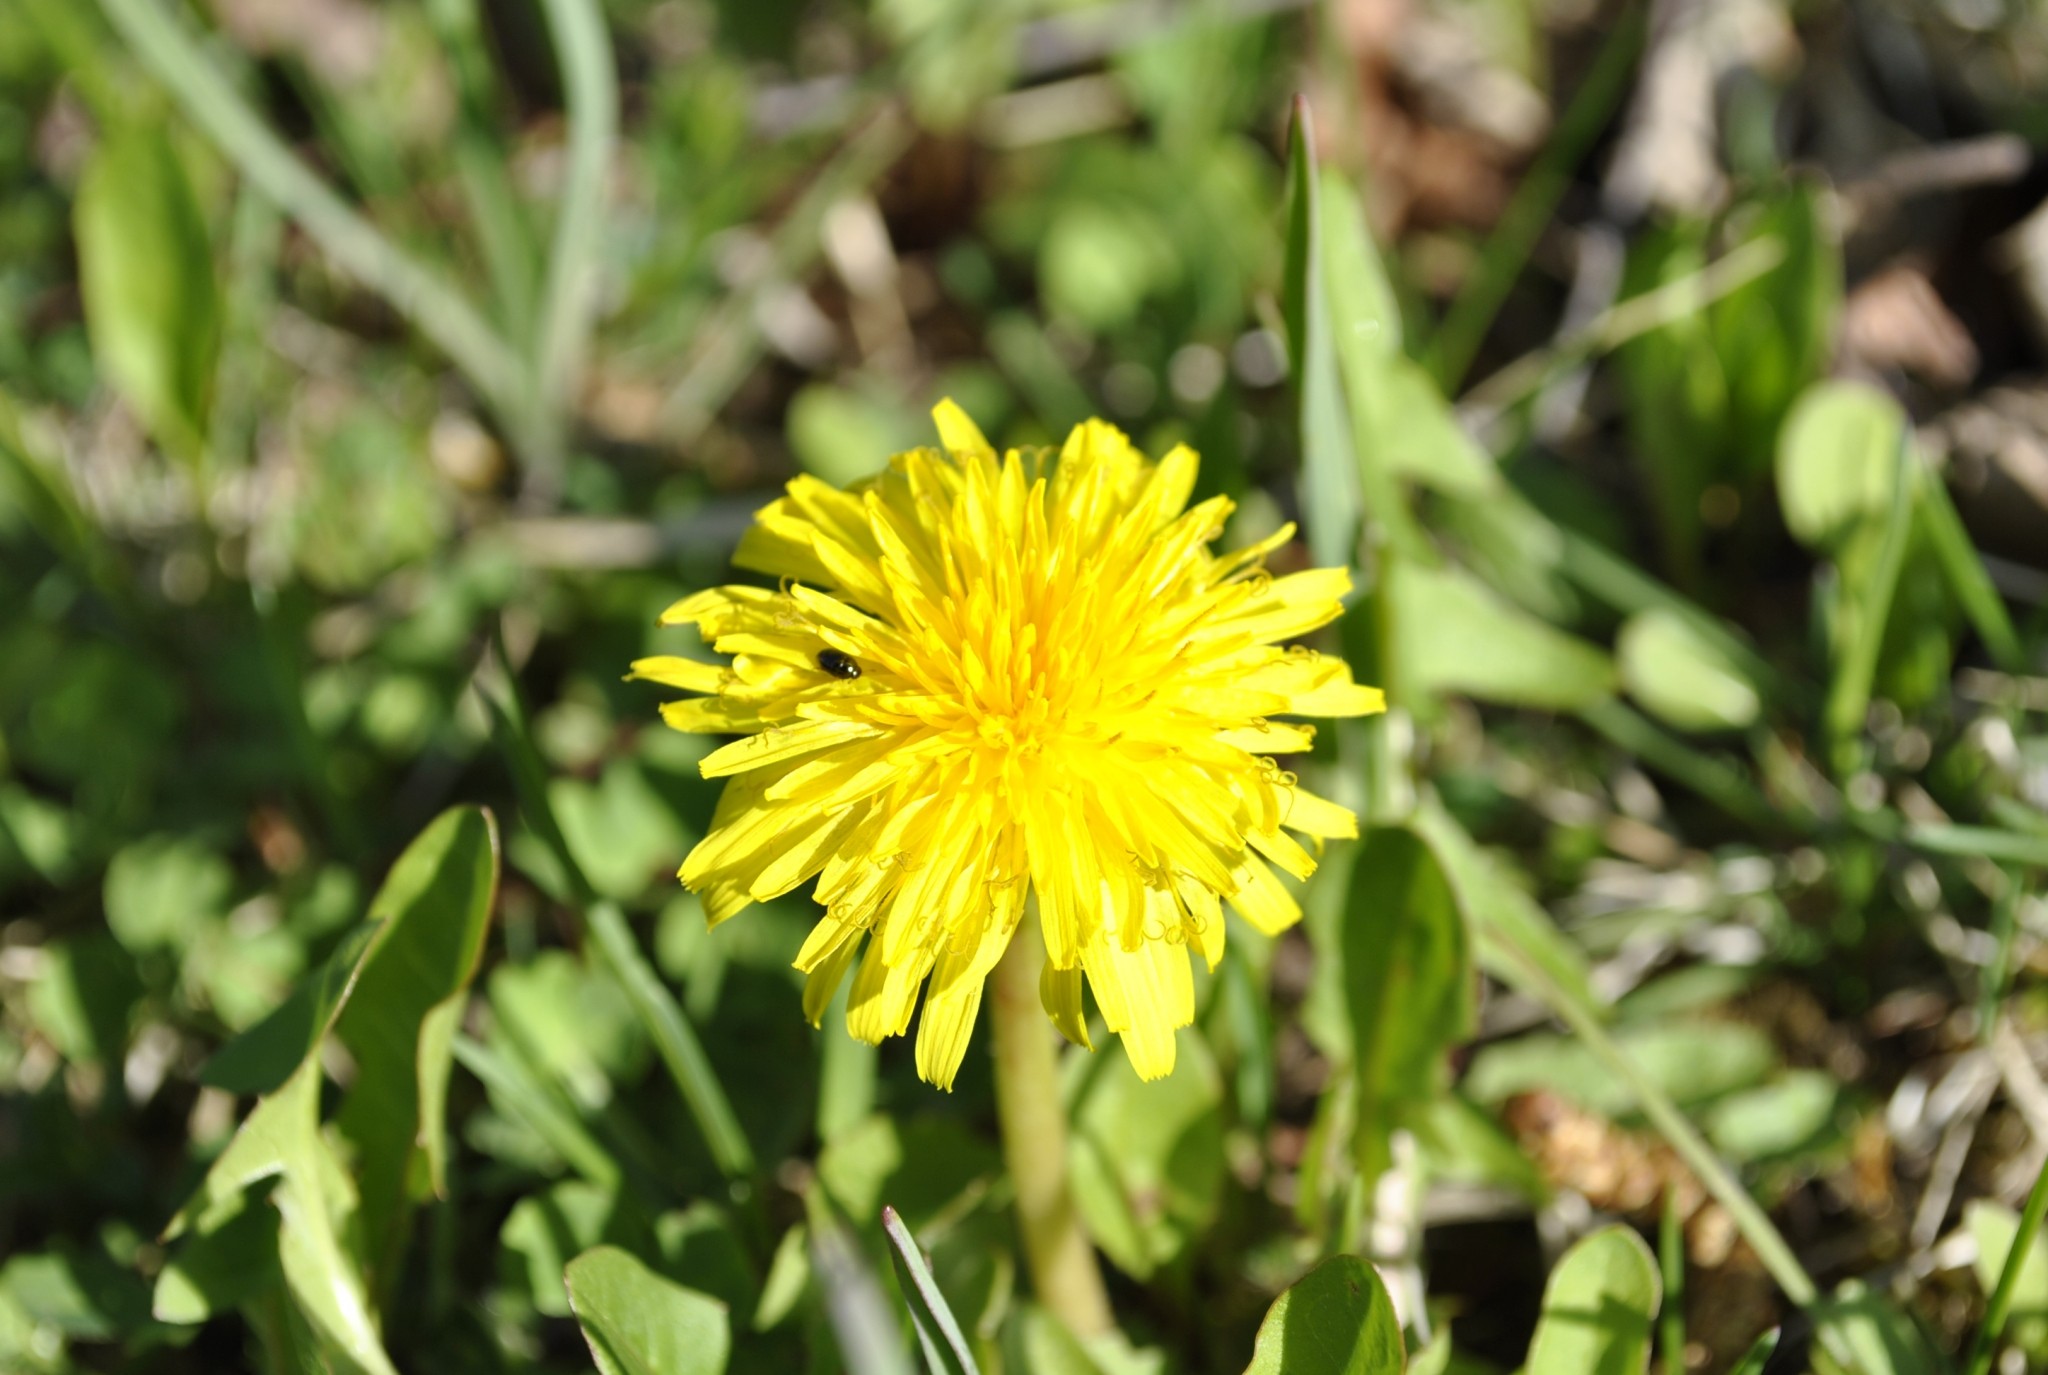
column 638, row 1323
column 1336, row 1320
column 146, row 269
column 1597, row 1308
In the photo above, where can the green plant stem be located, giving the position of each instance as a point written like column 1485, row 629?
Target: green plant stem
column 1985, row 1344
column 1064, row 1271
column 163, row 45
column 1671, row 1310
column 1679, row 1132
column 1465, row 324
column 584, row 50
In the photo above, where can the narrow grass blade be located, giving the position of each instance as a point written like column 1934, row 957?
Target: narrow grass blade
column 164, row 46
column 514, row 1089
column 938, row 1332
column 869, row 1334
column 1984, row 842
column 677, row 1041
column 1331, row 503
column 1759, row 1354
column 1985, row 1344
column 584, row 49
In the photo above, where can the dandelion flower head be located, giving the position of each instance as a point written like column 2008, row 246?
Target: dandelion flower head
column 986, row 678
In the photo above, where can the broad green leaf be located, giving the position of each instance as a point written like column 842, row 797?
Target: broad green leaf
column 638, row 1323
column 1791, row 1116
column 1681, row 677
column 1147, row 1159
column 1597, row 1308
column 1412, row 429
column 1453, row 634
column 546, row 1230
column 82, row 999
column 938, row 1332
column 843, row 436
column 1860, row 1332
column 1408, row 985
column 1330, row 503
column 160, row 892
column 1855, row 496
column 1692, row 1061
column 1336, row 1320
column 1837, row 461
column 1460, row 1141
column 1993, row 1226
column 789, row 1275
column 281, row 1141
column 433, row 912
column 152, row 305
column 79, row 1292
column 220, row 1268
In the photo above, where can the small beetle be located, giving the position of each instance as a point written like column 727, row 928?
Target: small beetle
column 837, row 664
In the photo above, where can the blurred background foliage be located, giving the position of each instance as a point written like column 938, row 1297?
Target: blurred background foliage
column 371, row 374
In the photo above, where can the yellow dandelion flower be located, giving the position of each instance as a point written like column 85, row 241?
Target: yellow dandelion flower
column 985, row 678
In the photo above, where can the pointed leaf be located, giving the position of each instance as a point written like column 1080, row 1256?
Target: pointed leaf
column 152, row 304
column 938, row 1332
column 434, row 908
column 1329, row 470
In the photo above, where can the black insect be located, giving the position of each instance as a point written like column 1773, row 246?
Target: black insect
column 837, row 664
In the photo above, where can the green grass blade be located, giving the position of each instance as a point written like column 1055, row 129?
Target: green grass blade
column 674, row 1037
column 583, row 47
column 1967, row 578
column 1759, row 1354
column 1985, row 1344
column 170, row 52
column 1331, row 504
column 1982, row 842
column 516, row 1090
column 946, row 1351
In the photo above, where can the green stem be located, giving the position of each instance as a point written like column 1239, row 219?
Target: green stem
column 1063, row 1268
column 1985, row 1345
column 1671, row 1260
column 209, row 99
